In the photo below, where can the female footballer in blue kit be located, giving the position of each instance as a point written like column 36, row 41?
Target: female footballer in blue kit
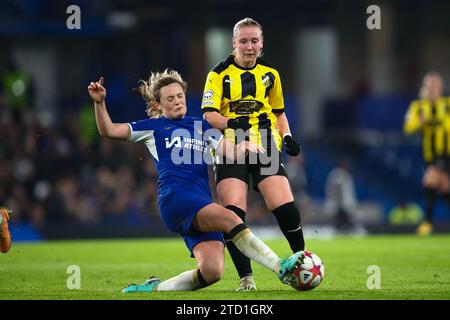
column 184, row 197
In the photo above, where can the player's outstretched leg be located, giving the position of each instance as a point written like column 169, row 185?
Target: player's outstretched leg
column 210, row 259
column 5, row 235
column 186, row 281
column 210, row 218
column 214, row 217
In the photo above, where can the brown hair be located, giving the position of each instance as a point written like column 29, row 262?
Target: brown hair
column 151, row 89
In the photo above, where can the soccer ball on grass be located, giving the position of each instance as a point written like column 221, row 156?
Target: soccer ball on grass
column 308, row 272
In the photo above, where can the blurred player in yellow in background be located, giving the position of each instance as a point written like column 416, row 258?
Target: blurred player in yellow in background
column 430, row 115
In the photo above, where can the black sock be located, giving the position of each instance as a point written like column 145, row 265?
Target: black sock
column 289, row 220
column 201, row 280
column 241, row 262
column 430, row 195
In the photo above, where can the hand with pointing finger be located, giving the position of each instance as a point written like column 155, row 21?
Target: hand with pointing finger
column 97, row 91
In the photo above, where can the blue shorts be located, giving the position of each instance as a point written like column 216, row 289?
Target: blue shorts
column 178, row 210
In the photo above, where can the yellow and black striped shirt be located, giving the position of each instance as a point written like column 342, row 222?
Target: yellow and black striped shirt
column 432, row 119
column 255, row 92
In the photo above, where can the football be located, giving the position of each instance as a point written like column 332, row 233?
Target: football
column 308, row 272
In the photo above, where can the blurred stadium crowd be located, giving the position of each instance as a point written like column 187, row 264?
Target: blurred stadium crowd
column 54, row 173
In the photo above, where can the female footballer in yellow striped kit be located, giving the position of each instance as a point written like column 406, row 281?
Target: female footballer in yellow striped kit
column 244, row 94
column 430, row 115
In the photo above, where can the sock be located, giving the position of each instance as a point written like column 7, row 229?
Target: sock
column 254, row 248
column 289, row 220
column 430, row 195
column 240, row 261
column 186, row 281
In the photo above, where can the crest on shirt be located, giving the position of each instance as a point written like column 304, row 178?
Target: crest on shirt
column 267, row 81
column 208, row 95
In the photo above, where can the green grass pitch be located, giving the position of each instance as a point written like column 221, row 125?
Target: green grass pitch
column 410, row 268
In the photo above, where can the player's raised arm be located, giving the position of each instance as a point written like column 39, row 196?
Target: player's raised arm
column 105, row 126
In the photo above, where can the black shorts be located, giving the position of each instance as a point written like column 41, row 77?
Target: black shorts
column 251, row 172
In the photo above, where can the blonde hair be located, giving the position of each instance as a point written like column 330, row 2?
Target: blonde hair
column 246, row 22
column 151, row 90
column 424, row 90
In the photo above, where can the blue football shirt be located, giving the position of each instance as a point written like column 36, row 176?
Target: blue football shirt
column 181, row 150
